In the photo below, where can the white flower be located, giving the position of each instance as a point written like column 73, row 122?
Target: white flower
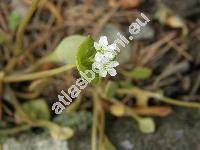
column 104, row 50
column 105, row 67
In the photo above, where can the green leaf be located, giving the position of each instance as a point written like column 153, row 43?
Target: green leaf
column 65, row 53
column 59, row 133
column 36, row 109
column 139, row 73
column 79, row 121
column 13, row 20
column 147, row 125
column 67, row 50
column 85, row 57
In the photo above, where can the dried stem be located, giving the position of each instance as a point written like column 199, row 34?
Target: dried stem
column 14, row 130
column 22, row 27
column 135, row 91
column 37, row 75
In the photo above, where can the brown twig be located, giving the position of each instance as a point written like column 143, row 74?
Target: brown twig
column 37, row 75
column 51, row 7
column 22, row 27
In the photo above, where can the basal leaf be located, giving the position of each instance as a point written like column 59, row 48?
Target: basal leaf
column 67, row 49
column 36, row 109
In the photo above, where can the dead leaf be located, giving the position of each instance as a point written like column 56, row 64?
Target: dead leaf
column 126, row 4
column 154, row 111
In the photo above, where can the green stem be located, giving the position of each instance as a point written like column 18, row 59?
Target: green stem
column 135, row 91
column 94, row 125
column 37, row 75
column 23, row 25
column 178, row 103
column 14, row 130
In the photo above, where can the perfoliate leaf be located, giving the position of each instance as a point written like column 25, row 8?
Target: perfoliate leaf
column 146, row 125
column 139, row 73
column 85, row 57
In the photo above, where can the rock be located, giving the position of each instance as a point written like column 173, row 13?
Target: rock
column 180, row 131
column 34, row 142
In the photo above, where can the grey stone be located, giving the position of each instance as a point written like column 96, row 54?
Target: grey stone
column 34, row 142
column 180, row 131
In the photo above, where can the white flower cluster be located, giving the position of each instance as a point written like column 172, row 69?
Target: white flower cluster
column 104, row 59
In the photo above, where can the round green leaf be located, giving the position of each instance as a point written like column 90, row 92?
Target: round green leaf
column 147, row 125
column 67, row 49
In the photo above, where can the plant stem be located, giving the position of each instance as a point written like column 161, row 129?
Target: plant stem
column 1, row 94
column 22, row 27
column 101, row 121
column 128, row 110
column 178, row 103
column 94, row 125
column 5, row 39
column 135, row 91
column 37, row 75
column 14, row 130
column 27, row 96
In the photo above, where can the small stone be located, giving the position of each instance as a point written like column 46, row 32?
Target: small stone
column 34, row 142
